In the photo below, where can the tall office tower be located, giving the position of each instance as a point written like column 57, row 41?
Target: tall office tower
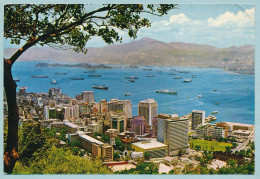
column 139, row 125
column 120, row 105
column 197, row 118
column 118, row 122
column 148, row 109
column 174, row 133
column 88, row 96
column 46, row 112
column 74, row 111
column 103, row 106
column 54, row 92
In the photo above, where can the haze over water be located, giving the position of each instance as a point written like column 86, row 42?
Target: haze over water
column 233, row 92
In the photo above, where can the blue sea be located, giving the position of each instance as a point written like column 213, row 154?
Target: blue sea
column 234, row 92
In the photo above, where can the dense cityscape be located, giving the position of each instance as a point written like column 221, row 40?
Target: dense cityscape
column 107, row 130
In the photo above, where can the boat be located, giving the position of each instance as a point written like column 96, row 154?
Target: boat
column 39, row 76
column 54, row 82
column 16, row 79
column 166, row 91
column 184, row 72
column 187, row 80
column 217, row 103
column 147, row 69
column 194, row 76
column 214, row 90
column 95, row 75
column 199, row 96
column 172, row 70
column 150, row 75
column 131, row 77
column 100, row 87
column 60, row 73
column 214, row 112
column 128, row 94
column 89, row 71
column 76, row 78
column 171, row 74
column 131, row 81
column 177, row 77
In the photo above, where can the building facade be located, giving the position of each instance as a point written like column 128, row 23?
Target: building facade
column 197, row 118
column 148, row 108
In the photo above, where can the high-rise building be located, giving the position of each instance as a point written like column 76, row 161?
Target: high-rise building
column 139, row 125
column 148, row 109
column 103, row 106
column 118, row 121
column 54, row 92
column 174, row 133
column 197, row 118
column 88, row 96
column 120, row 105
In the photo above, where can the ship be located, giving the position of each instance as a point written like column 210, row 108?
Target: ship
column 217, row 103
column 60, row 73
column 128, row 94
column 214, row 112
column 177, row 77
column 150, row 75
column 131, row 81
column 166, row 91
column 194, row 76
column 171, row 74
column 187, row 80
column 100, row 87
column 95, row 75
column 54, row 82
column 199, row 96
column 76, row 78
column 16, row 79
column 89, row 71
column 131, row 77
column 39, row 76
column 147, row 69
column 184, row 72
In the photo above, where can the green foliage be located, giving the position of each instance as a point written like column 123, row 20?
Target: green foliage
column 209, row 145
column 116, row 156
column 142, row 168
column 119, row 145
column 63, row 133
column 228, row 149
column 147, row 155
column 59, row 161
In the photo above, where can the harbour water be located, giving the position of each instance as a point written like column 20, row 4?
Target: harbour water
column 231, row 94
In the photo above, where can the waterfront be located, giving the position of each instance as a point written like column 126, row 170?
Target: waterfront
column 233, row 92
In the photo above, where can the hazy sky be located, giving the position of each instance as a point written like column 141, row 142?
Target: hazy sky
column 217, row 25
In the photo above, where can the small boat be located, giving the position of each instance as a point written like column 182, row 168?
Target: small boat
column 54, row 82
column 214, row 112
column 150, row 75
column 131, row 77
column 166, row 91
column 131, row 81
column 76, row 78
column 95, row 75
column 60, row 73
column 100, row 87
column 177, row 77
column 214, row 90
column 16, row 79
column 39, row 76
column 199, row 96
column 217, row 103
column 128, row 94
column 187, row 80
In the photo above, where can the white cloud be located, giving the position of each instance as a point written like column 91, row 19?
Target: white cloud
column 241, row 19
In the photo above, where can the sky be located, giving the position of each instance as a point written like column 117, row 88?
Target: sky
column 222, row 26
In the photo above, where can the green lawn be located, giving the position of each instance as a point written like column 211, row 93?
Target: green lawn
column 209, row 145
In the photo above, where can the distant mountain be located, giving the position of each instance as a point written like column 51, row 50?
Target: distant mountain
column 148, row 51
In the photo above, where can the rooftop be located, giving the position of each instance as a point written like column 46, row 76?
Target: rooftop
column 91, row 139
column 149, row 144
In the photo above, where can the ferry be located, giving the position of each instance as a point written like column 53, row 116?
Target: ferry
column 128, row 94
column 214, row 112
column 76, row 78
column 187, row 80
column 100, row 87
column 177, row 77
column 95, row 75
column 54, row 82
column 131, row 77
column 166, row 91
column 60, row 73
column 40, row 76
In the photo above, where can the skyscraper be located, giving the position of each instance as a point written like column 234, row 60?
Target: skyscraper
column 174, row 133
column 197, row 118
column 120, row 105
column 138, row 125
column 88, row 96
column 148, row 109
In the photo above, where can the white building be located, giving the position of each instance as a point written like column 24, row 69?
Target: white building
column 148, row 109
